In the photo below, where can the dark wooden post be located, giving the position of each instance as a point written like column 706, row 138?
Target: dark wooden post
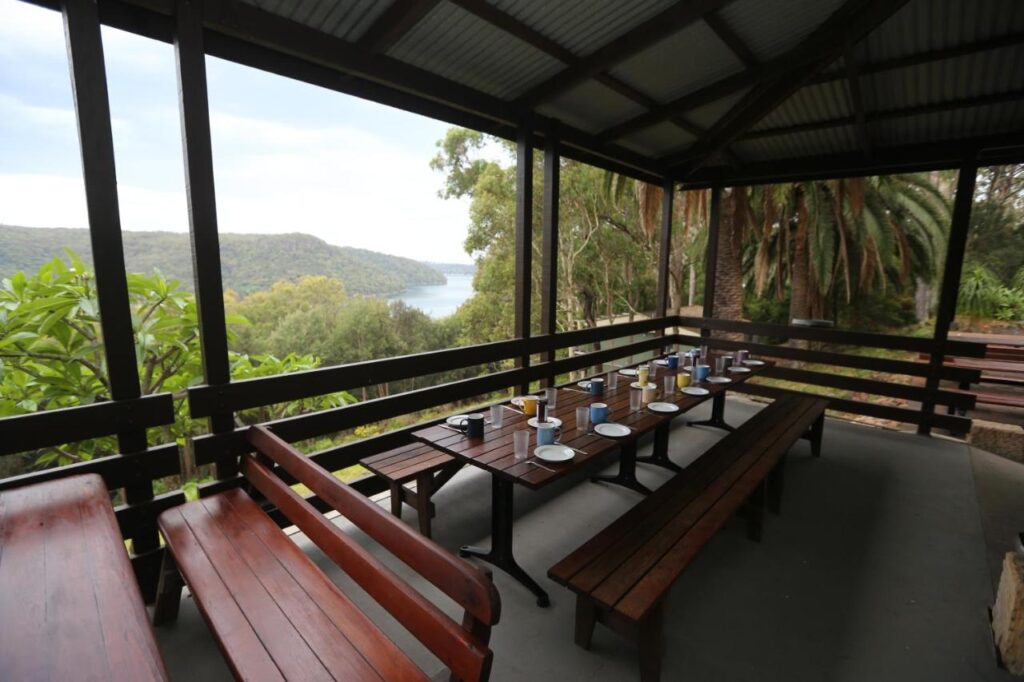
column 665, row 250
column 92, row 109
column 524, row 242
column 549, row 245
column 962, row 204
column 194, row 110
column 711, row 256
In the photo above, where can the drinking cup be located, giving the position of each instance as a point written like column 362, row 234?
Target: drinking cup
column 598, row 413
column 720, row 365
column 521, row 444
column 649, row 393
column 643, row 373
column 583, row 418
column 683, row 380
column 742, row 356
column 542, row 412
column 634, row 399
column 673, row 361
column 670, row 385
column 728, row 361
column 551, row 394
column 530, row 405
column 701, row 372
column 473, row 425
column 547, row 433
column 497, row 416
column 597, row 386
column 612, row 380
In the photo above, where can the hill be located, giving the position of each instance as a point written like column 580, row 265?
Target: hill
column 453, row 268
column 249, row 262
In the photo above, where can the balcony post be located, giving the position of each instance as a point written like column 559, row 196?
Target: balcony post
column 665, row 251
column 711, row 256
column 194, row 110
column 549, row 245
column 524, row 242
column 950, row 292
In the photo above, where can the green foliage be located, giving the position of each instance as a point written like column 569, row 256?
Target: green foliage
column 983, row 295
column 249, row 262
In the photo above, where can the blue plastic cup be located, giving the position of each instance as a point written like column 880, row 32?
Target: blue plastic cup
column 673, row 362
column 547, row 433
column 701, row 372
column 598, row 413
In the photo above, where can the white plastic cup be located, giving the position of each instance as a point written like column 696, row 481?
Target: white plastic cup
column 670, row 385
column 634, row 399
column 583, row 418
column 612, row 380
column 497, row 416
column 521, row 445
column 551, row 395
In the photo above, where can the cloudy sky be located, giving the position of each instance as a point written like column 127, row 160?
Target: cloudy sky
column 287, row 156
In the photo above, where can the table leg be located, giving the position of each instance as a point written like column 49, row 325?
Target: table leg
column 500, row 553
column 627, row 471
column 659, row 455
column 717, row 414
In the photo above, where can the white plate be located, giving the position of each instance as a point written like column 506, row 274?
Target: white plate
column 739, row 370
column 613, row 430
column 457, row 420
column 753, row 363
column 661, row 361
column 695, row 390
column 629, row 372
column 583, row 384
column 637, row 384
column 663, row 407
column 532, row 421
column 718, row 380
column 553, row 453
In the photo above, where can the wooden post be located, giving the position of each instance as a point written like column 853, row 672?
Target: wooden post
column 665, row 250
column 711, row 256
column 197, row 152
column 549, row 246
column 955, row 249
column 524, row 241
column 92, row 109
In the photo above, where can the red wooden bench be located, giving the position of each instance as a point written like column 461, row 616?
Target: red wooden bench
column 622, row 575
column 276, row 615
column 428, row 467
column 70, row 608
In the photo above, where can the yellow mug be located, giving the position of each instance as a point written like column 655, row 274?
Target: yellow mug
column 530, row 405
column 682, row 379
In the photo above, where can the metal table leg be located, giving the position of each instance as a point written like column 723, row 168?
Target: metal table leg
column 717, row 414
column 627, row 471
column 659, row 455
column 500, row 553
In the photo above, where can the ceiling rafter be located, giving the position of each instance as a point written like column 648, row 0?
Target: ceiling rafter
column 849, row 24
column 731, row 40
column 649, row 32
column 393, row 23
column 853, row 83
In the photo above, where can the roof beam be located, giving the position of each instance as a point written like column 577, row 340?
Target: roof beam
column 664, row 24
column 856, row 99
column 393, row 23
column 849, row 24
column 731, row 40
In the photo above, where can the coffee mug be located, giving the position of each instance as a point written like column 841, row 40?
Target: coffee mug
column 673, row 361
column 683, row 379
column 597, row 386
column 547, row 433
column 530, row 405
column 650, row 392
column 598, row 413
column 643, row 373
column 742, row 356
column 473, row 425
column 701, row 372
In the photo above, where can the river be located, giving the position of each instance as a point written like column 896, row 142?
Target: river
column 438, row 300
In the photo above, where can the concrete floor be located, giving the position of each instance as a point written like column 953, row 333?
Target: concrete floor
column 876, row 570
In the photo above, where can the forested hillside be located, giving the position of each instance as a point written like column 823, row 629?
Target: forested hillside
column 250, row 262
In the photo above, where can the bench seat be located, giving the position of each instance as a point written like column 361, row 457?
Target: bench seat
column 428, row 467
column 622, row 575
column 70, row 607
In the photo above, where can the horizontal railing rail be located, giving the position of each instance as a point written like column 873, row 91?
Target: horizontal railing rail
column 117, row 471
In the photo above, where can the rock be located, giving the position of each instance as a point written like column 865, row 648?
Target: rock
column 1002, row 439
column 1008, row 614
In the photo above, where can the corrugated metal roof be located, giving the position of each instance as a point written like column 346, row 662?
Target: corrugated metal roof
column 658, row 140
column 707, row 115
column 681, row 63
column 925, row 25
column 582, row 26
column 455, row 44
column 770, row 27
column 970, row 122
column 810, row 143
column 346, row 19
column 811, row 103
column 591, row 107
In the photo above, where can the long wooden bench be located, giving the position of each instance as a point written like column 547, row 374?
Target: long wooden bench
column 622, row 575
column 277, row 616
column 419, row 462
column 70, row 608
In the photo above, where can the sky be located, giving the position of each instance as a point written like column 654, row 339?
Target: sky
column 288, row 156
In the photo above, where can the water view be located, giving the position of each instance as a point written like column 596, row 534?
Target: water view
column 439, row 300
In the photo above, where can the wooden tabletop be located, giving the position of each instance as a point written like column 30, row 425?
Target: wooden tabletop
column 494, row 452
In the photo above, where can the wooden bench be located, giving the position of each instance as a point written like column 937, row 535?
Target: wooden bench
column 277, row 616
column 418, row 462
column 622, row 575
column 70, row 608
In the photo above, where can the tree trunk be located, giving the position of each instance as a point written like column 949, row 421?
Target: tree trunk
column 922, row 300
column 692, row 293
column 799, row 277
column 728, row 298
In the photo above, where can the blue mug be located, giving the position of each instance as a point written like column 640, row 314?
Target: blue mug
column 701, row 372
column 673, row 362
column 597, row 386
column 547, row 433
column 598, row 413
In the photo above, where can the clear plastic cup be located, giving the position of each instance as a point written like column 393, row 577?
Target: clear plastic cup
column 497, row 416
column 634, row 399
column 521, row 444
column 612, row 380
column 720, row 365
column 670, row 385
column 583, row 418
column 551, row 395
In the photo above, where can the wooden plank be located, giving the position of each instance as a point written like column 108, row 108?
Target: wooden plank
column 875, row 387
column 47, row 428
column 117, row 470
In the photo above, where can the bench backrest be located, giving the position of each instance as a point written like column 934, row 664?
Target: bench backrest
column 462, row 648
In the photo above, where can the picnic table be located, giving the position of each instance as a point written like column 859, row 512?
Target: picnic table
column 494, row 454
